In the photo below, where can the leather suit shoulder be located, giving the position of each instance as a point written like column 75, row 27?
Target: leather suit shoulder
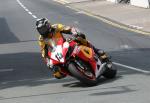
column 58, row 27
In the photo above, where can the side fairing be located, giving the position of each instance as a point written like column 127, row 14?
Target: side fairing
column 87, row 54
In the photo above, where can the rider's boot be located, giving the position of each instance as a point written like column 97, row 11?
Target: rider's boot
column 102, row 55
column 58, row 74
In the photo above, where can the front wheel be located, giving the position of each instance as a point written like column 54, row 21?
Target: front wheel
column 110, row 72
column 84, row 76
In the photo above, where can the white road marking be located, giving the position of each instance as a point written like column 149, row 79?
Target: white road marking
column 29, row 13
column 61, row 1
column 77, row 11
column 76, row 22
column 68, row 6
column 125, row 46
column 27, row 10
column 80, row 12
column 34, row 16
column 24, row 7
column 132, row 68
column 6, row 70
column 135, row 26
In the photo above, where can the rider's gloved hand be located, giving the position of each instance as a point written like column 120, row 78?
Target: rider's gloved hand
column 48, row 62
column 81, row 35
column 75, row 32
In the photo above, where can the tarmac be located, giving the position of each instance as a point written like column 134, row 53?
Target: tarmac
column 124, row 16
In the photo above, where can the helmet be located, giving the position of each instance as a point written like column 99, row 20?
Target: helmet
column 43, row 26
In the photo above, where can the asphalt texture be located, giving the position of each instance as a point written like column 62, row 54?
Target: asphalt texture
column 24, row 77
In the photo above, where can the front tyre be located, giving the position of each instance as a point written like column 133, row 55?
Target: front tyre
column 110, row 72
column 87, row 78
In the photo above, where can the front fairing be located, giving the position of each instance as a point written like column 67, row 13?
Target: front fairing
column 57, row 49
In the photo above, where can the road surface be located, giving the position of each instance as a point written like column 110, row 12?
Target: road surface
column 24, row 77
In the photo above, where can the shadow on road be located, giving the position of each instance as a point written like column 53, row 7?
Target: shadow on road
column 24, row 65
column 30, row 70
column 82, row 85
column 115, row 90
column 7, row 35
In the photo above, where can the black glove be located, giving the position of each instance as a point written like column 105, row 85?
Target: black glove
column 82, row 35
column 77, row 33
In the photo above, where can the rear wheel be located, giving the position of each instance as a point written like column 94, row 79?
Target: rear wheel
column 84, row 75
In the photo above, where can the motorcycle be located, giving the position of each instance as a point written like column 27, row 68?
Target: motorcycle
column 78, row 61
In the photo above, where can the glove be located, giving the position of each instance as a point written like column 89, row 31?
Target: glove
column 49, row 63
column 43, row 53
column 74, row 31
column 81, row 41
column 77, row 33
column 82, row 35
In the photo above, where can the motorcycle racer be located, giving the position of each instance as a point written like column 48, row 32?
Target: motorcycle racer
column 48, row 30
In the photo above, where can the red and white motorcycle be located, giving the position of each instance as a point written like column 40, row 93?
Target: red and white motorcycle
column 78, row 61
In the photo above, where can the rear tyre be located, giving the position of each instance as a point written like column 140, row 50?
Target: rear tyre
column 73, row 68
column 110, row 72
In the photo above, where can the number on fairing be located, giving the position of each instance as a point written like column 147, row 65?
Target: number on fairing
column 59, row 56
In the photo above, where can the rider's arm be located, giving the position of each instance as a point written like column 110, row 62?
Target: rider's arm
column 66, row 29
column 73, row 31
column 62, row 28
column 70, row 30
